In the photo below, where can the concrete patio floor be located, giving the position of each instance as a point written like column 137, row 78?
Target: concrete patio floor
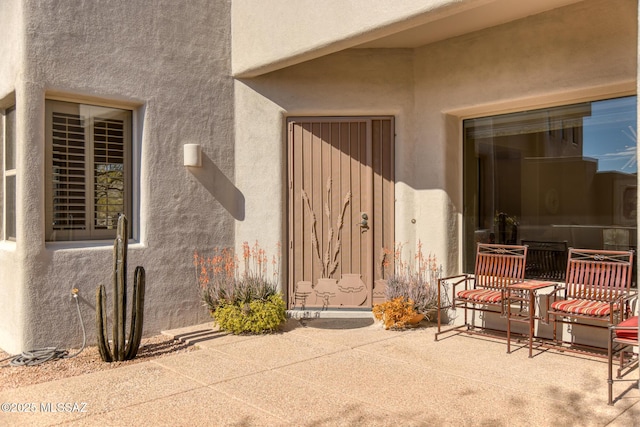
column 340, row 372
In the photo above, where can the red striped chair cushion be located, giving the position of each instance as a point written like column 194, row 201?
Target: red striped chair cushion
column 585, row 307
column 481, row 295
column 632, row 334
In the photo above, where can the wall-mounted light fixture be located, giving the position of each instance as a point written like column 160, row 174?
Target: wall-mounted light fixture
column 193, row 155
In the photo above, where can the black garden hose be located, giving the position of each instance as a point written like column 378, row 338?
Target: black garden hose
column 41, row 355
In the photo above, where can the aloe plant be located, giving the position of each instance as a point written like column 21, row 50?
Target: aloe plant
column 123, row 349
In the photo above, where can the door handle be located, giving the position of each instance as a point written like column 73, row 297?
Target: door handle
column 364, row 224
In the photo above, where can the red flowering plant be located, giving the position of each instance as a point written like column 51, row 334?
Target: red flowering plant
column 237, row 292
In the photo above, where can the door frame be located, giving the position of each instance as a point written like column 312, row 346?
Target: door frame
column 386, row 207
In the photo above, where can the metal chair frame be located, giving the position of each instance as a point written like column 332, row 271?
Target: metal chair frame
column 621, row 346
column 496, row 267
column 600, row 276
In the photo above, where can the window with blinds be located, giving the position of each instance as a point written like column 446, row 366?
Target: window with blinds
column 68, row 178
column 89, row 151
column 108, row 177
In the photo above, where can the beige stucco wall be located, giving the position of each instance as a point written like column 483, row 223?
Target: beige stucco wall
column 269, row 35
column 309, row 29
column 11, row 295
column 583, row 51
column 172, row 66
column 361, row 82
column 11, row 46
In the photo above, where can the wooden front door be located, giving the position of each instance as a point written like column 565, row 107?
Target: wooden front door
column 341, row 209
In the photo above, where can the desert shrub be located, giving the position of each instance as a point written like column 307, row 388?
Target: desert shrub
column 242, row 296
column 414, row 279
column 256, row 316
column 396, row 313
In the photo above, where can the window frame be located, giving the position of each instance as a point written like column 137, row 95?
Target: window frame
column 7, row 172
column 91, row 232
column 572, row 137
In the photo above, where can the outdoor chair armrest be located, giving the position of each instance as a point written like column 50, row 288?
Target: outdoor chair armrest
column 459, row 278
column 630, row 302
column 623, row 298
column 556, row 288
column 464, row 276
column 628, row 297
column 551, row 298
column 627, row 301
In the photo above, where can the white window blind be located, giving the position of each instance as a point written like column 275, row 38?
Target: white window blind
column 69, row 190
column 89, row 149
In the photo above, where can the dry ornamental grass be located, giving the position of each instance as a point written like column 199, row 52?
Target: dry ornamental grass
column 86, row 362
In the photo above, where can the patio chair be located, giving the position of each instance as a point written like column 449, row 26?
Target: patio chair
column 622, row 338
column 596, row 292
column 496, row 267
column 546, row 260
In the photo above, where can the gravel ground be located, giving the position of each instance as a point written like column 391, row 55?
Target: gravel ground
column 86, row 362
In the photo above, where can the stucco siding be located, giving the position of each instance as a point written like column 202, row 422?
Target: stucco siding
column 11, row 294
column 351, row 83
column 171, row 66
column 271, row 35
column 11, row 46
column 11, row 315
column 585, row 50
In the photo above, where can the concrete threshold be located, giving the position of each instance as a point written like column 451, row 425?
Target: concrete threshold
column 329, row 314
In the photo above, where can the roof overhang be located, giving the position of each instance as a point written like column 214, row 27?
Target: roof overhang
column 270, row 35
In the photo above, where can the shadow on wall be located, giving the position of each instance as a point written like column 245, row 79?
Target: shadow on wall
column 220, row 187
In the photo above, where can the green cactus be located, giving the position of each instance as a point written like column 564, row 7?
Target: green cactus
column 122, row 349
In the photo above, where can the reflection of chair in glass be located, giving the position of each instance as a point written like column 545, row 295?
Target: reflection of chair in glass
column 615, row 239
column 507, row 229
column 497, row 267
column 622, row 338
column 546, row 260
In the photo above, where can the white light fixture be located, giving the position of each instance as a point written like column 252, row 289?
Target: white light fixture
column 193, row 155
